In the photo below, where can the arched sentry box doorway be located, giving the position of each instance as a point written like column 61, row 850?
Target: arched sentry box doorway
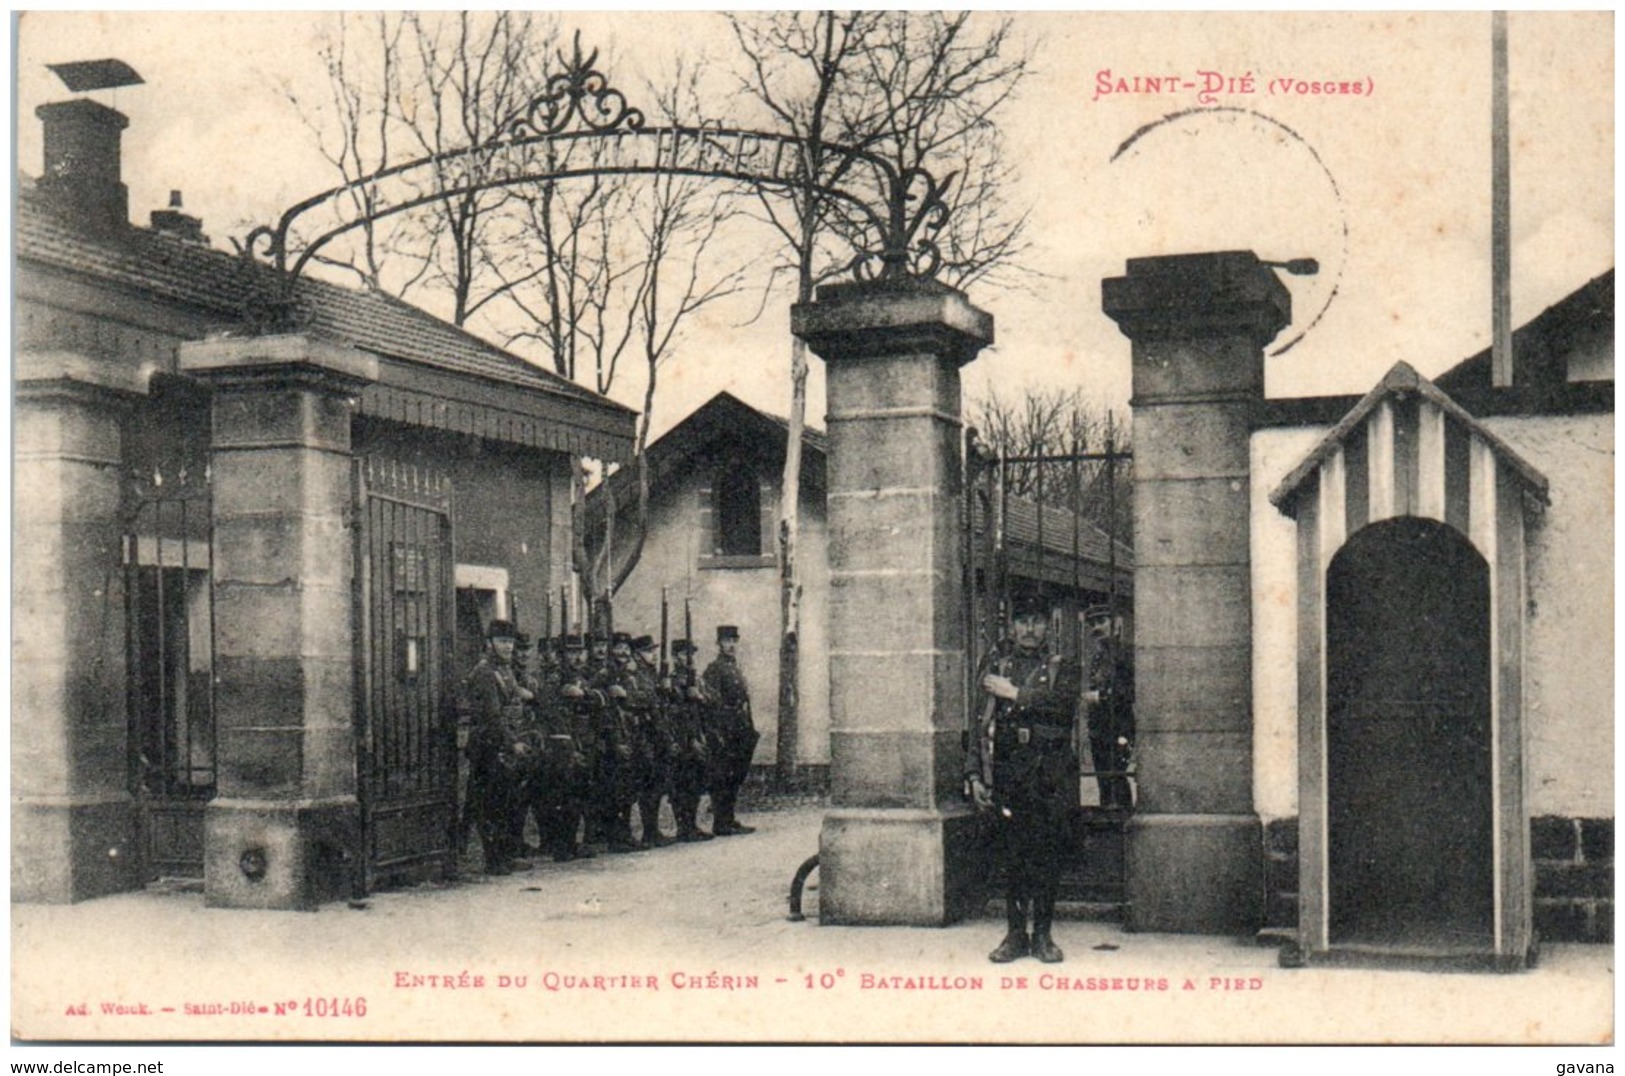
column 1413, row 831
column 1408, row 740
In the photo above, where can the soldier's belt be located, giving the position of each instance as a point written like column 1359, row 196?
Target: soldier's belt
column 1025, row 731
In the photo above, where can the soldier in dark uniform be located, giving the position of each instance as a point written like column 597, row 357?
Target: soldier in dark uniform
column 1022, row 771
column 524, row 766
column 582, row 708
column 550, row 780
column 1110, row 695
column 656, row 747
column 496, row 702
column 686, row 704
column 732, row 733
column 619, row 760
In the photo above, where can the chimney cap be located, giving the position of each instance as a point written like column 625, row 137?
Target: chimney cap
column 83, row 75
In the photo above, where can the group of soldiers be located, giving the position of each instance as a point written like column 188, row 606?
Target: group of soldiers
column 601, row 726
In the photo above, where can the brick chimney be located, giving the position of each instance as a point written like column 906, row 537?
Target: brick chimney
column 182, row 226
column 82, row 172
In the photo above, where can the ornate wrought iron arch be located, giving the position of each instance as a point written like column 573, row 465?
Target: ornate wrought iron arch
column 580, row 126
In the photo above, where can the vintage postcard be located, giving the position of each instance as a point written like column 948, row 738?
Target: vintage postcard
column 803, row 527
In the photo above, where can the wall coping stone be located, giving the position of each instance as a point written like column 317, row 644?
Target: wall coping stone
column 74, row 368
column 254, row 357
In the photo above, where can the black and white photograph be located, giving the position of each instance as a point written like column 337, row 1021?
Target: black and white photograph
column 796, row 526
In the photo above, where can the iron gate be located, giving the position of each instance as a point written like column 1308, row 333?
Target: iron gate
column 1061, row 522
column 169, row 637
column 406, row 747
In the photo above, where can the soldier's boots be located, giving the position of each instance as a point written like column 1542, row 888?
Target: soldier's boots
column 1014, row 946
column 688, row 836
column 1044, row 947
column 732, row 829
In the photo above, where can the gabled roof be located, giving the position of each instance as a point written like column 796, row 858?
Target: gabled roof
column 724, row 417
column 1401, row 380
column 215, row 284
column 1542, row 347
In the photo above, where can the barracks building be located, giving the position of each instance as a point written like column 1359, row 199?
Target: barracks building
column 247, row 568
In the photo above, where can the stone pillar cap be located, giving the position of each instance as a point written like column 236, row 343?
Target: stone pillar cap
column 885, row 317
column 1224, row 293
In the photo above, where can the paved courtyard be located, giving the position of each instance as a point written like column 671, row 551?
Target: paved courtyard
column 692, row 943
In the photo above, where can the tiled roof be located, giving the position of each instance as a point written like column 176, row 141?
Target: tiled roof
column 215, row 282
column 1021, row 518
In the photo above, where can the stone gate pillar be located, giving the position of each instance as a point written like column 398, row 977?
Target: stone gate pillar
column 73, row 825
column 1198, row 324
column 897, row 844
column 283, row 830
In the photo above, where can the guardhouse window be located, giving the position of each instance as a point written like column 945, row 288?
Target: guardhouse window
column 739, row 513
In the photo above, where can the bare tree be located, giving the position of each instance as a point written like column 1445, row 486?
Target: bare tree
column 567, row 276
column 355, row 128
column 601, row 270
column 940, row 80
column 653, row 269
column 919, row 90
column 1022, row 429
column 415, row 85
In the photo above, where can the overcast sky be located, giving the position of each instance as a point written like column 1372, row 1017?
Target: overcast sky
column 1389, row 189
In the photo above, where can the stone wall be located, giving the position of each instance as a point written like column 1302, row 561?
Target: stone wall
column 1574, row 878
column 746, row 596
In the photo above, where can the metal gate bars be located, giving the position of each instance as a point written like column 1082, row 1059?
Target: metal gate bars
column 1058, row 523
column 406, row 746
column 169, row 638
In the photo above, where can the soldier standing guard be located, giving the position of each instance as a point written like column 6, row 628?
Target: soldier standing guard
column 496, row 701
column 1022, row 770
column 582, row 708
column 1110, row 696
column 655, row 745
column 524, row 768
column 620, row 760
column 685, row 709
column 733, row 734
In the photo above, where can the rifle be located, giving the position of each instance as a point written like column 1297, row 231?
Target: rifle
column 688, row 633
column 665, row 666
column 985, row 729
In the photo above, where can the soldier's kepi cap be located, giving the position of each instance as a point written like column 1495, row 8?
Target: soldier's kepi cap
column 643, row 642
column 1097, row 613
column 727, row 631
column 500, row 629
column 682, row 646
column 521, row 641
column 573, row 642
column 1029, row 601
column 620, row 638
